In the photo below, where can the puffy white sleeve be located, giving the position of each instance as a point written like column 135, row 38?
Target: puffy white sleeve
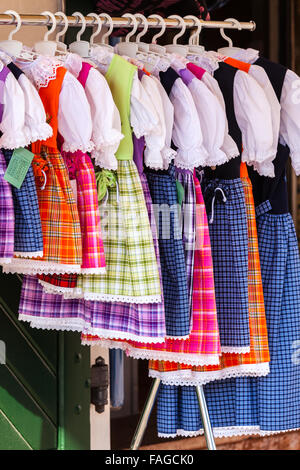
column 212, row 122
column 13, row 119
column 187, row 134
column 143, row 117
column 253, row 114
column 74, row 116
column 154, row 141
column 168, row 153
column 35, row 117
column 229, row 146
column 290, row 117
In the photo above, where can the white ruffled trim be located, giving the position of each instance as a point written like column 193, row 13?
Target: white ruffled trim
column 188, row 159
column 41, row 131
column 185, row 337
column 137, row 353
column 114, row 139
column 14, row 141
column 5, row 260
column 216, row 157
column 249, row 156
column 168, row 155
column 73, row 147
column 230, row 431
column 62, row 324
column 29, row 254
column 265, row 169
column 295, row 158
column 193, row 378
column 235, row 349
column 99, row 270
column 112, row 334
column 106, row 159
column 153, row 158
column 29, row 266
column 146, row 299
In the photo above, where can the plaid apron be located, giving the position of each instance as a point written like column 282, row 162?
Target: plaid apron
column 203, row 344
column 131, row 268
column 7, row 218
column 59, row 216
column 124, row 321
column 254, row 363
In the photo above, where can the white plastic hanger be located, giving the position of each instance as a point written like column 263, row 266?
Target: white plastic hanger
column 61, row 46
column 80, row 47
column 142, row 46
column 154, row 47
column 194, row 47
column 128, row 48
column 98, row 29
column 228, row 50
column 178, row 48
column 46, row 47
column 12, row 46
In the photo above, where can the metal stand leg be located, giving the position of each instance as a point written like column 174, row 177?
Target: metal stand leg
column 143, row 421
column 209, row 437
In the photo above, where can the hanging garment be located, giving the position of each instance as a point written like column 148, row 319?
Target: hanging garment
column 59, row 216
column 7, row 216
column 124, row 321
column 132, row 272
column 203, row 344
column 28, row 239
column 82, row 177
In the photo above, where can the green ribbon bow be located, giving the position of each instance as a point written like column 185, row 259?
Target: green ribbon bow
column 105, row 179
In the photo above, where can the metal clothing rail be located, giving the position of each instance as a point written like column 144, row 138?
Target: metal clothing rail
column 40, row 20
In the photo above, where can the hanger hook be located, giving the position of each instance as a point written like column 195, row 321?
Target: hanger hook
column 16, row 17
column 83, row 21
column 134, row 28
column 160, row 21
column 195, row 36
column 51, row 17
column 108, row 19
column 181, row 22
column 143, row 20
column 227, row 38
column 66, row 24
column 99, row 26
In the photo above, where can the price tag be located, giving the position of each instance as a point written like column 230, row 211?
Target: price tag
column 18, row 167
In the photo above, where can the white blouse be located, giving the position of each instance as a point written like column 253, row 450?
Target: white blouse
column 211, row 118
column 74, row 115
column 143, row 117
column 154, row 141
column 13, row 119
column 289, row 131
column 168, row 153
column 253, row 114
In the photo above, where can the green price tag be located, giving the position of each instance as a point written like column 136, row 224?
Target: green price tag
column 18, row 167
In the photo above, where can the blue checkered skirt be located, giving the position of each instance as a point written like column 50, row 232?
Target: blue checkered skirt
column 28, row 229
column 263, row 405
column 162, row 187
column 226, row 209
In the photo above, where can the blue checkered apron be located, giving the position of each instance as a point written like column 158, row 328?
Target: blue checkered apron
column 162, row 187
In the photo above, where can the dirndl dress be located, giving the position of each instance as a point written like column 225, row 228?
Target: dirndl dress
column 7, row 217
column 62, row 251
column 130, row 323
